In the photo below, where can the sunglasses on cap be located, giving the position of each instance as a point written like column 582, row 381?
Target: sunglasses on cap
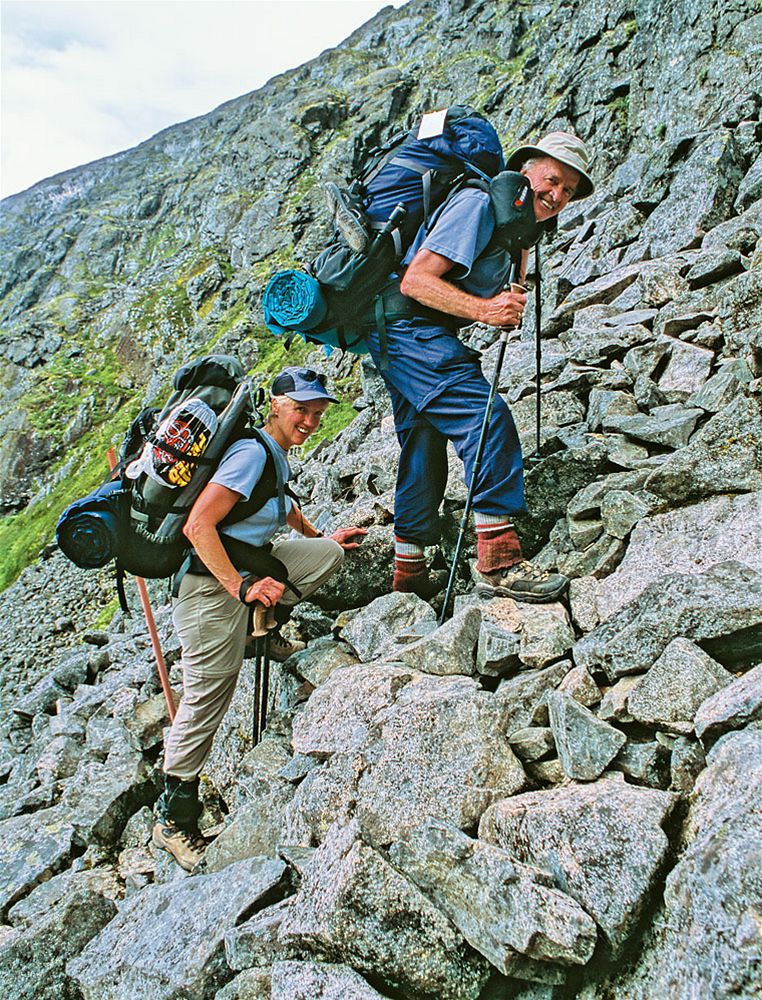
column 311, row 376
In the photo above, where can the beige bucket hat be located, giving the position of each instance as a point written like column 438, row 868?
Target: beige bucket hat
column 566, row 148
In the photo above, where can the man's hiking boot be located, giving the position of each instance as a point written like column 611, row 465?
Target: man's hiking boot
column 522, row 582
column 281, row 648
column 186, row 847
column 346, row 219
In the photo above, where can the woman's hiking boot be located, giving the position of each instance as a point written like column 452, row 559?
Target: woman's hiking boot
column 281, row 648
column 186, row 846
column 522, row 582
column 176, row 828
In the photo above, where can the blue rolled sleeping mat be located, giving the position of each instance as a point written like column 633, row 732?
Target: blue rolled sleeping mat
column 293, row 300
column 88, row 531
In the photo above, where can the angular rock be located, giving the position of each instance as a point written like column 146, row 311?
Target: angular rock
column 687, row 370
column 319, row 981
column 326, row 796
column 340, row 712
column 147, row 721
column 47, row 895
column 102, row 796
column 141, row 954
column 688, row 540
column 725, row 456
column 251, row 984
column 497, row 650
column 721, row 389
column 581, row 687
column 676, row 685
column 41, row 699
column 644, row 764
column 32, row 852
column 501, row 907
column 255, row 941
column 621, row 511
column 440, row 750
column 670, row 426
column 532, row 743
column 602, row 842
column 704, row 939
column 32, row 966
column 585, row 744
column 447, row 650
column 546, row 634
column 614, row 702
column 366, row 574
column 733, row 707
column 317, row 662
column 686, row 763
column 726, row 600
column 519, row 696
column 355, row 908
column 583, row 601
column 375, row 628
column 255, row 828
column 714, row 265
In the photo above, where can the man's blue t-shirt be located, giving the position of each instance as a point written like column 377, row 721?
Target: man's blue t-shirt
column 241, row 468
column 461, row 231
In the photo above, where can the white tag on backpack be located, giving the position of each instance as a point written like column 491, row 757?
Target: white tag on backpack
column 432, row 124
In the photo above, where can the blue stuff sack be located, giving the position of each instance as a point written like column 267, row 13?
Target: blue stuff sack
column 89, row 530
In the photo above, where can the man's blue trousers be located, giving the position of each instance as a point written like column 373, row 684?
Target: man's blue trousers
column 439, row 394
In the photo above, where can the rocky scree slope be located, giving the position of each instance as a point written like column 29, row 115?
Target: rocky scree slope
column 530, row 801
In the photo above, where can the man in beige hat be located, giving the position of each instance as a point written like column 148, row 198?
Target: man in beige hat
column 458, row 273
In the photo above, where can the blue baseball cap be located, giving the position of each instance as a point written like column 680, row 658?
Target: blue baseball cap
column 302, row 384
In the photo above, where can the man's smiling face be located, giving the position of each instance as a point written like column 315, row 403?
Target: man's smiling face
column 553, row 184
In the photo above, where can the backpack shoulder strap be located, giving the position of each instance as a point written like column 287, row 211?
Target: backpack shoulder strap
column 270, row 485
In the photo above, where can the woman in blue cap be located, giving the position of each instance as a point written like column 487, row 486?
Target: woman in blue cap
column 211, row 611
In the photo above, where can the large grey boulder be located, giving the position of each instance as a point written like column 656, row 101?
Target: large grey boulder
column 440, row 750
column 603, row 843
column 30, row 852
column 447, row 650
column 501, row 907
column 704, row 941
column 733, row 707
column 365, row 573
column 32, row 966
column 585, row 744
column 374, row 629
column 340, row 713
column 319, row 981
column 676, row 685
column 687, row 540
column 142, row 953
column 355, row 908
column 726, row 600
column 326, row 796
column 102, row 796
column 723, row 457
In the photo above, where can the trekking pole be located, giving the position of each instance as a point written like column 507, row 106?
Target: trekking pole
column 145, row 603
column 537, row 347
column 265, row 690
column 504, row 333
column 255, row 734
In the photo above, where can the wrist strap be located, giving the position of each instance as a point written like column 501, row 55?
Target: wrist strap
column 245, row 584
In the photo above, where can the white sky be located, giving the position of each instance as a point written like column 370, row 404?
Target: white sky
column 88, row 78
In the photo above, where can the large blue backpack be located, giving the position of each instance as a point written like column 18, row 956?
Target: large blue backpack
column 336, row 298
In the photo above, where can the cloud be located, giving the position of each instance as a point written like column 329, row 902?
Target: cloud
column 87, row 79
